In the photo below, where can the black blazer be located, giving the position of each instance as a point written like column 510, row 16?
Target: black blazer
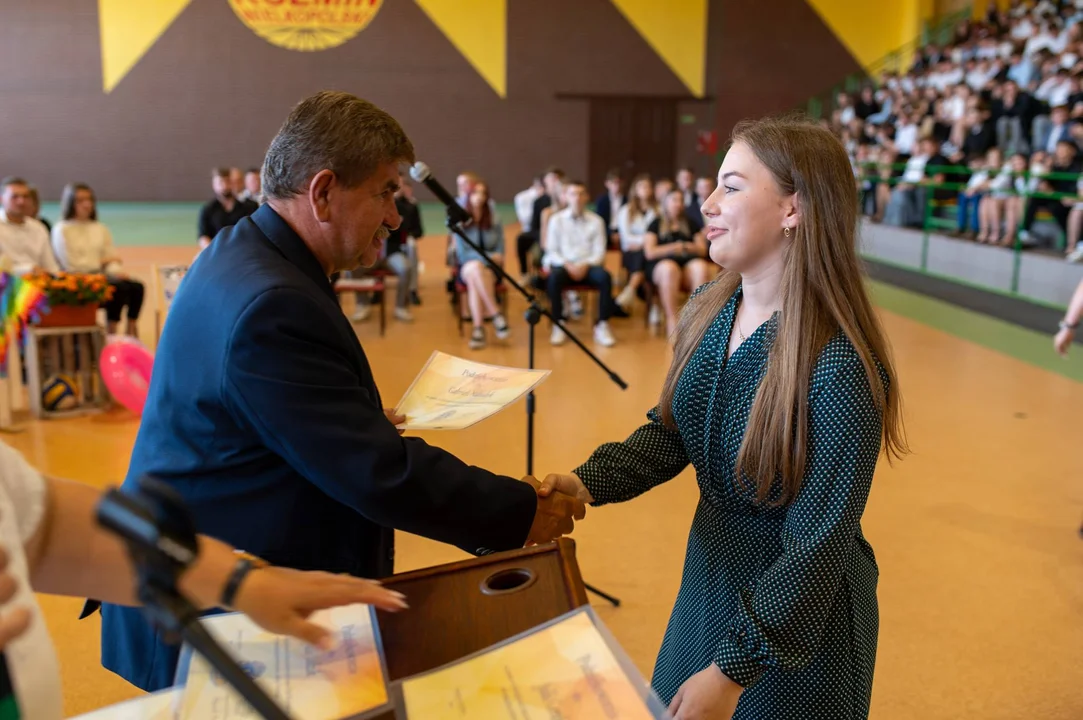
column 263, row 413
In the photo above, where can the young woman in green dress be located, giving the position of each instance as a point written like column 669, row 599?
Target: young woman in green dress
column 782, row 395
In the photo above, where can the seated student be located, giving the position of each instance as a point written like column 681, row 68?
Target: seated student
column 50, row 543
column 406, row 204
column 575, row 246
column 485, row 230
column 632, row 223
column 608, row 205
column 1064, row 171
column 84, row 245
column 24, row 241
column 224, row 210
column 396, row 257
column 674, row 252
column 704, row 187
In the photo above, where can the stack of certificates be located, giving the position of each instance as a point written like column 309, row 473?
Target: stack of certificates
column 568, row 668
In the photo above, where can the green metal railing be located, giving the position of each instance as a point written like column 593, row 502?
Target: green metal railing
column 898, row 60
column 933, row 221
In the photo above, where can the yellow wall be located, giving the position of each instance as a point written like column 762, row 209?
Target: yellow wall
column 871, row 30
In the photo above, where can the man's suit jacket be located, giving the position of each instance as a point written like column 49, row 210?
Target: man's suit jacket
column 603, row 207
column 263, row 413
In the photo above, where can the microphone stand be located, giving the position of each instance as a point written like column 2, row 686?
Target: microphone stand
column 456, row 217
column 161, row 541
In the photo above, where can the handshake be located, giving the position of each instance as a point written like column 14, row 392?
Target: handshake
column 562, row 499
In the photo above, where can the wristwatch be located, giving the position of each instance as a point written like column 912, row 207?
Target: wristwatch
column 246, row 562
column 1065, row 325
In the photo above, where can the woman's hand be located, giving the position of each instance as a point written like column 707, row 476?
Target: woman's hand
column 281, row 600
column 1063, row 341
column 569, row 484
column 707, row 695
column 13, row 621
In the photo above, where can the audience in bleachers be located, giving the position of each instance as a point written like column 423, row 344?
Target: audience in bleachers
column 1013, row 82
column 83, row 244
column 24, row 241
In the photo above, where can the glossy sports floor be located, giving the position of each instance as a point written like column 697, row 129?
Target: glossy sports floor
column 981, row 566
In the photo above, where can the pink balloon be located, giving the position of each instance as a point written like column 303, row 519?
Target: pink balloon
column 126, row 371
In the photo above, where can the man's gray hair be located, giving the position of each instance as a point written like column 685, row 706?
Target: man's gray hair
column 333, row 131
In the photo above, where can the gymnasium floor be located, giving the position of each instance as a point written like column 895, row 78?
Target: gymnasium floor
column 981, row 566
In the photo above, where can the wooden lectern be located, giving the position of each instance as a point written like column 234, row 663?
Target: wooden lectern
column 463, row 607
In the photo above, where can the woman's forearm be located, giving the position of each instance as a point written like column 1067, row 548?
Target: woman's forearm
column 70, row 554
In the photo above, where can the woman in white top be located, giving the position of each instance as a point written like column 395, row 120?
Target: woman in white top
column 632, row 223
column 50, row 542
column 84, row 245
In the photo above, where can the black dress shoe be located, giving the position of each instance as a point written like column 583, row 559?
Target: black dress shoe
column 415, row 298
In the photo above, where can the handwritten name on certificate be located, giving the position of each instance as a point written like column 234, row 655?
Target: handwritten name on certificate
column 565, row 670
column 156, row 706
column 451, row 393
column 307, row 683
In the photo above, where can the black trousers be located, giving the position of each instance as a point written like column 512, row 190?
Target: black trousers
column 524, row 243
column 1055, row 207
column 125, row 292
column 597, row 277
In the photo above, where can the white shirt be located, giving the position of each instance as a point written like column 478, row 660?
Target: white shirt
column 524, row 207
column 632, row 231
column 571, row 239
column 906, row 136
column 915, row 169
column 26, row 245
column 80, row 246
column 31, row 659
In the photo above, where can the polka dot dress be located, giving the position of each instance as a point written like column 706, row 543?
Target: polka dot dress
column 782, row 599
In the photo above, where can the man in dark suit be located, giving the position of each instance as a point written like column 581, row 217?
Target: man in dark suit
column 262, row 410
column 608, row 205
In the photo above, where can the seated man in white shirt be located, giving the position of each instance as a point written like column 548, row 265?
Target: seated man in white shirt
column 575, row 245
column 24, row 241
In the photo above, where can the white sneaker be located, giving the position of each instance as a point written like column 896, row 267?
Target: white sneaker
column 626, row 298
column 500, row 325
column 655, row 318
column 362, row 313
column 404, row 315
column 557, row 337
column 603, row 336
column 1076, row 255
column 477, row 338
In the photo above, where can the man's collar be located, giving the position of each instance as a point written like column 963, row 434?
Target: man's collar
column 290, row 244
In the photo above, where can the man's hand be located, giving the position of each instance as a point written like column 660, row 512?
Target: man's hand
column 395, row 418
column 13, row 621
column 555, row 516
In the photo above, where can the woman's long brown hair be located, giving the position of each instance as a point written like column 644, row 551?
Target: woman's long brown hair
column 822, row 290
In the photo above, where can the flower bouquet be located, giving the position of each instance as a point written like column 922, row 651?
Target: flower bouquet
column 71, row 299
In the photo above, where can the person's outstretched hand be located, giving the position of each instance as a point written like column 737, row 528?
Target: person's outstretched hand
column 555, row 516
column 568, row 483
column 1063, row 341
column 281, row 600
column 14, row 621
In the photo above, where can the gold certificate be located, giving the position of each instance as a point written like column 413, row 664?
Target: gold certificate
column 451, row 393
column 564, row 670
column 307, row 683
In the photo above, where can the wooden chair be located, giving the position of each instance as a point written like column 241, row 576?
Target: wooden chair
column 167, row 280
column 368, row 283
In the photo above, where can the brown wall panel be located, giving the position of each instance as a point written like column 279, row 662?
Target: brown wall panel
column 211, row 92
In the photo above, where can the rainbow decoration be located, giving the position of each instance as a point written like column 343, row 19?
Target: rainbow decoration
column 20, row 303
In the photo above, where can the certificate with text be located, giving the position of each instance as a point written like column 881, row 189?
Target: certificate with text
column 309, row 684
column 451, row 393
column 566, row 669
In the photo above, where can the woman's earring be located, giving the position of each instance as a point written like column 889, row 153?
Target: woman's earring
column 786, row 232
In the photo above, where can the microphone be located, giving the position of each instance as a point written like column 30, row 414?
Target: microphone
column 456, row 213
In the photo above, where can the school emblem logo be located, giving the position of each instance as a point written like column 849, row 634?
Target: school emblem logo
column 306, row 25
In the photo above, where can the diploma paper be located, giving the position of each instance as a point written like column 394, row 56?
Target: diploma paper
column 451, row 393
column 565, row 670
column 307, row 683
column 157, row 706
